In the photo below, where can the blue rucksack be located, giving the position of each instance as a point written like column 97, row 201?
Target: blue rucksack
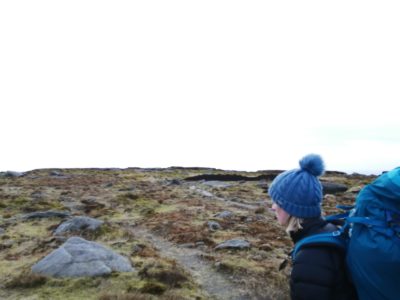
column 371, row 238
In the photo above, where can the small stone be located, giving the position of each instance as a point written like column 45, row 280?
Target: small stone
column 224, row 214
column 265, row 247
column 55, row 173
column 175, row 182
column 234, row 244
column 213, row 226
column 78, row 224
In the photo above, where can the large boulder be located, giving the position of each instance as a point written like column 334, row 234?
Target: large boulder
column 79, row 257
column 78, row 224
column 333, row 187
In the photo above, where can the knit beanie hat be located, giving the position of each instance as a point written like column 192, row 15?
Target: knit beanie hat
column 299, row 191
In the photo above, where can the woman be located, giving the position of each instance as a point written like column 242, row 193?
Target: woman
column 319, row 272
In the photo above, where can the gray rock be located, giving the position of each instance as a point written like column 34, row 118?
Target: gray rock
column 2, row 231
column 174, row 182
column 187, row 245
column 47, row 214
column 78, row 224
column 206, row 193
column 234, row 244
column 223, row 215
column 200, row 243
column 213, row 226
column 55, row 173
column 333, row 188
column 217, row 184
column 12, row 174
column 78, row 257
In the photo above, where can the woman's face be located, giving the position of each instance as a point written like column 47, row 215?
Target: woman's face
column 281, row 215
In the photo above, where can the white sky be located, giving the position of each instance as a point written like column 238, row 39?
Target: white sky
column 238, row 85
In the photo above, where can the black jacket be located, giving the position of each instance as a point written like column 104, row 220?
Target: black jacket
column 319, row 272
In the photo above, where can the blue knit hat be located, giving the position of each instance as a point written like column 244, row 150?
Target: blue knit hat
column 299, row 191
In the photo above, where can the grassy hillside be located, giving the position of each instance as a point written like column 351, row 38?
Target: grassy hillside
column 160, row 221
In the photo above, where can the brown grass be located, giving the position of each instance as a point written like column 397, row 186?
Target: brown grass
column 26, row 280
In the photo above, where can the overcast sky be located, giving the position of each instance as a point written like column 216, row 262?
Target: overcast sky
column 238, row 85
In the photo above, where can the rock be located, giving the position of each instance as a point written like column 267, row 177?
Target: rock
column 265, row 247
column 263, row 185
column 233, row 244
column 187, row 245
column 12, row 174
column 213, row 226
column 78, row 224
column 2, row 231
column 137, row 248
column 200, row 244
column 206, row 193
column 217, row 184
column 333, row 188
column 249, row 220
column 56, row 173
column 223, row 215
column 174, row 182
column 46, row 214
column 78, row 257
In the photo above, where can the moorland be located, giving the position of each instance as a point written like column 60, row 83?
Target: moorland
column 189, row 233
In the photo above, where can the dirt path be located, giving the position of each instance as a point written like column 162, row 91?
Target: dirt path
column 214, row 283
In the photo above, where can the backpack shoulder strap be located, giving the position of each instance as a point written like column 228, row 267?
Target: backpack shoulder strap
column 331, row 239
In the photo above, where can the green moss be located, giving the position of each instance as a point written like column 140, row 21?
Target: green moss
column 20, row 201
column 126, row 198
column 239, row 265
column 33, row 229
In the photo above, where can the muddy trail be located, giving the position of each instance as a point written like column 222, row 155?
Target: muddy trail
column 215, row 284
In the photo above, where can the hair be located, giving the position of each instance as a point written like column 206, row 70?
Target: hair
column 293, row 224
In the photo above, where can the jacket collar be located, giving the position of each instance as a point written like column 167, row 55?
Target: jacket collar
column 309, row 226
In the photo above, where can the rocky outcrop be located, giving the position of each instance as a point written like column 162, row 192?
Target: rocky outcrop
column 78, row 257
column 78, row 224
column 333, row 188
column 232, row 177
column 11, row 174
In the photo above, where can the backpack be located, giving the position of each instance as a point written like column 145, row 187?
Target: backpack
column 371, row 238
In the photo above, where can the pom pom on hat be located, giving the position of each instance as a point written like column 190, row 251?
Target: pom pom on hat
column 313, row 164
column 299, row 191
